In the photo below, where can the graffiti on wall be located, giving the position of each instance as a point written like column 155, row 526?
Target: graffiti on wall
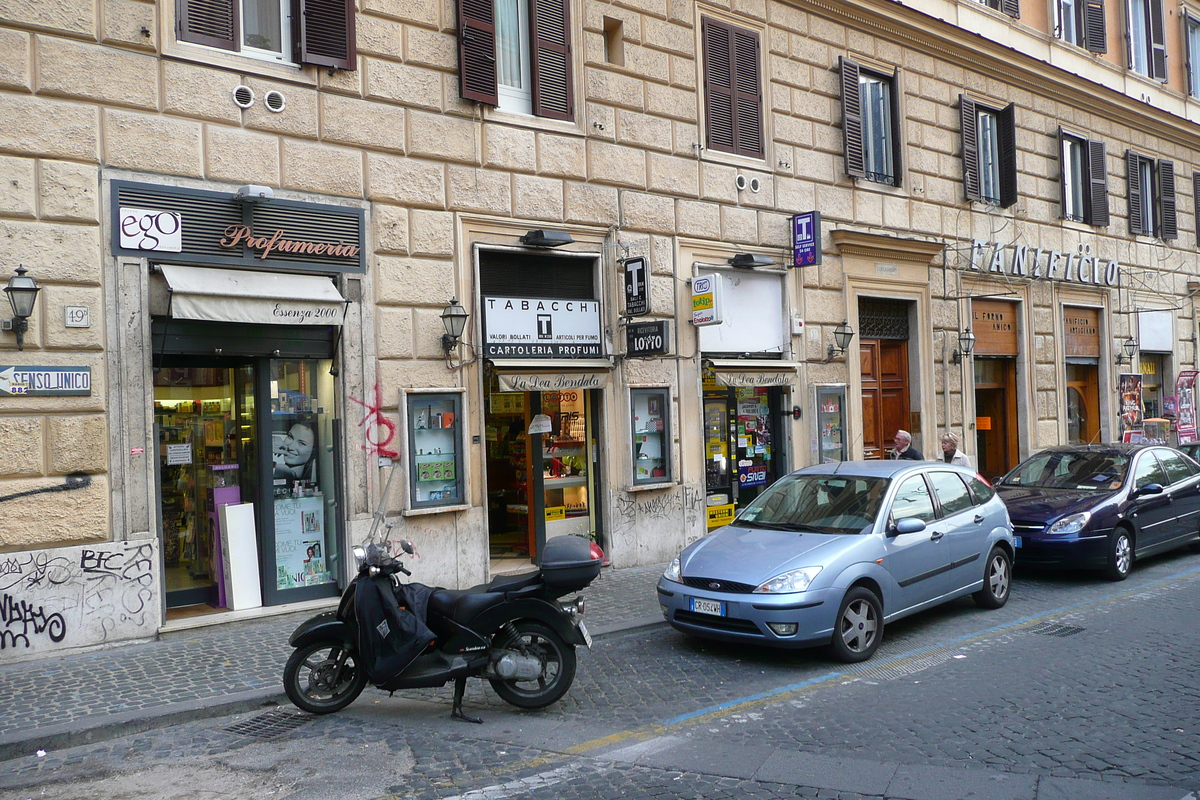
column 76, row 480
column 77, row 596
column 378, row 431
column 675, row 509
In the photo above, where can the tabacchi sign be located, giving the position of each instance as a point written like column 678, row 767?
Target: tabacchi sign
column 265, row 245
column 1023, row 261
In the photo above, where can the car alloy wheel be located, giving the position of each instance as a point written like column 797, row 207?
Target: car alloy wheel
column 997, row 580
column 1120, row 556
column 859, row 626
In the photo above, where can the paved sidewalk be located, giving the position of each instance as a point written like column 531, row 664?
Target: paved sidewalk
column 54, row 703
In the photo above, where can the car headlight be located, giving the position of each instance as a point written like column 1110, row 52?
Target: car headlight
column 671, row 573
column 1071, row 524
column 797, row 580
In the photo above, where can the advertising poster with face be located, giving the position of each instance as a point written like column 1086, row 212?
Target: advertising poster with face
column 1130, row 387
column 1185, row 393
column 294, row 449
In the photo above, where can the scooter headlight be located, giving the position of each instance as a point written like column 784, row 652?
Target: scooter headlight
column 360, row 555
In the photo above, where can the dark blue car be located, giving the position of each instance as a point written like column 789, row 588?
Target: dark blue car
column 1101, row 506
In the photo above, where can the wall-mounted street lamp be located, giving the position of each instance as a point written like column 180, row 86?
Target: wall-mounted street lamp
column 454, row 319
column 22, row 293
column 1128, row 351
column 842, row 335
column 966, row 343
column 546, row 238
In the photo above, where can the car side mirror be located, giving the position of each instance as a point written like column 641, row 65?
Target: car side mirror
column 1149, row 488
column 997, row 481
column 909, row 525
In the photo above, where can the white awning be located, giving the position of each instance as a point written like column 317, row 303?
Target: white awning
column 551, row 374
column 752, row 372
column 267, row 298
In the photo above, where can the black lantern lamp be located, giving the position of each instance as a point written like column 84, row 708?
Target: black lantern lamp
column 1129, row 349
column 454, row 318
column 842, row 335
column 22, row 293
column 966, row 343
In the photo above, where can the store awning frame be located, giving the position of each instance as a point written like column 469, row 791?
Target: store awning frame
column 246, row 296
column 551, row 374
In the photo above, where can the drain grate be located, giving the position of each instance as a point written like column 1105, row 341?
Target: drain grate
column 270, row 725
column 1052, row 629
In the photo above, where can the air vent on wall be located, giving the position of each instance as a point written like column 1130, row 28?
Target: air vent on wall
column 274, row 101
column 740, row 182
column 243, row 96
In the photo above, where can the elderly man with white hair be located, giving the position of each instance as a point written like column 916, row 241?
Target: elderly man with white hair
column 904, row 449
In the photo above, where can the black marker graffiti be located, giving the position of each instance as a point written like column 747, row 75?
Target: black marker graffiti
column 76, row 480
column 20, row 619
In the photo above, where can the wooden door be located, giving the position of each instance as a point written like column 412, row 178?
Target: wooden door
column 884, row 393
column 996, row 415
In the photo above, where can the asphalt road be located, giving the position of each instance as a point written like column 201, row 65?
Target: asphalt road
column 1078, row 688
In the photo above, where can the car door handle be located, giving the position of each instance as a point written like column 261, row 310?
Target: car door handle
column 936, row 535
column 978, row 518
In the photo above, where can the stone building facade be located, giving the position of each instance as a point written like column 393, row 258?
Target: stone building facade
column 975, row 168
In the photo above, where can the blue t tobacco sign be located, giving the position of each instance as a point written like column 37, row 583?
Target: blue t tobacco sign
column 806, row 239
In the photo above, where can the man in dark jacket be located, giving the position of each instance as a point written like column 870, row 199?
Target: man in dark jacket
column 904, row 449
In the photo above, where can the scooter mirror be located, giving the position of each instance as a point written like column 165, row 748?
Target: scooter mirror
column 407, row 546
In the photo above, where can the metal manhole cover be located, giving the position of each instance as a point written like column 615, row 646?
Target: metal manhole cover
column 1052, row 629
column 270, row 725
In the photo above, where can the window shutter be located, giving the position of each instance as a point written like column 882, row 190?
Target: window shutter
column 1011, row 7
column 1095, row 32
column 1098, row 184
column 970, row 148
column 477, row 51
column 210, row 22
column 747, row 94
column 1196, row 198
column 1169, row 226
column 1007, row 119
column 718, row 85
column 326, row 35
column 550, row 66
column 852, row 135
column 1062, row 172
column 1158, row 40
column 1187, row 54
column 1133, row 179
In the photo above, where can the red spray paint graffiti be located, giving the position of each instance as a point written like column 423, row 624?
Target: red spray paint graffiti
column 378, row 430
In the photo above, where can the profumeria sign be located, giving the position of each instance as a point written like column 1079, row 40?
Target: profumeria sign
column 265, row 245
column 1023, row 261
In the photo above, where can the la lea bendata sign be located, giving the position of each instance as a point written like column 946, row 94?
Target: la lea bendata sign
column 1023, row 261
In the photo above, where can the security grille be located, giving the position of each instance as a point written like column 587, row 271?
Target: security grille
column 882, row 319
column 270, row 725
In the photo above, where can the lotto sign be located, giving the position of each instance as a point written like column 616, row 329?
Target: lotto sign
column 148, row 229
column 720, row 515
column 706, row 300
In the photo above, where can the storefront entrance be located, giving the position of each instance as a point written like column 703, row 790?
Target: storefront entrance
column 542, row 464
column 995, row 415
column 1081, row 327
column 741, row 447
column 884, row 394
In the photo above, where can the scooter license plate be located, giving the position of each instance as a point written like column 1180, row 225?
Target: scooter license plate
column 587, row 637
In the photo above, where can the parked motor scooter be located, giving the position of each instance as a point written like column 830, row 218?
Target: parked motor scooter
column 514, row 631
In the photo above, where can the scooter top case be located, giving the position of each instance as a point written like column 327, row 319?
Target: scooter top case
column 568, row 564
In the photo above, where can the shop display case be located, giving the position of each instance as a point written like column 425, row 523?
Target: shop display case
column 651, row 435
column 831, row 435
column 435, row 445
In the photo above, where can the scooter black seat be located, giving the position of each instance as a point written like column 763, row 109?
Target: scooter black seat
column 462, row 605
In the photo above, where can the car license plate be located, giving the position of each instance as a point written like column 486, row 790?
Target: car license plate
column 1016, row 541
column 715, row 607
column 587, row 637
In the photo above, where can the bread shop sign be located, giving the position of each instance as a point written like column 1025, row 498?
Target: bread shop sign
column 1023, row 261
column 45, row 381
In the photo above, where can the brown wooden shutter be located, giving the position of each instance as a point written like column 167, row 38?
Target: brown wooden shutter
column 716, row 39
column 970, row 148
column 1095, row 32
column 1133, row 181
column 1169, row 220
column 852, row 134
column 550, row 66
column 326, row 36
column 1011, row 7
column 1006, row 121
column 747, row 94
column 210, row 22
column 1158, row 60
column 1097, row 184
column 477, row 51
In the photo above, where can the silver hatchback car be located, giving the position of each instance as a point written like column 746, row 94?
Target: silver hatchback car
column 830, row 553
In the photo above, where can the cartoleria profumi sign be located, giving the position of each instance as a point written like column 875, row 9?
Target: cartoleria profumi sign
column 1022, row 261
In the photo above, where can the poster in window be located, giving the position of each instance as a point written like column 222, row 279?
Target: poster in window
column 1130, row 387
column 294, row 450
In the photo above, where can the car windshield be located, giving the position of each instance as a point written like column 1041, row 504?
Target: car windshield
column 817, row 503
column 1077, row 471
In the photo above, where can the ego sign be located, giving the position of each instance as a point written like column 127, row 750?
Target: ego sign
column 147, row 229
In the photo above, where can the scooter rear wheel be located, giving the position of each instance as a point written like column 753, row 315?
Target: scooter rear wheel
column 324, row 677
column 558, row 665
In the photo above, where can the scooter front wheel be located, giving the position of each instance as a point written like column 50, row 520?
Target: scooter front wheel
column 324, row 677
column 534, row 639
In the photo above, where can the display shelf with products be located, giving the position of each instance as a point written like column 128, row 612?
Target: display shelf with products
column 651, row 432
column 435, row 443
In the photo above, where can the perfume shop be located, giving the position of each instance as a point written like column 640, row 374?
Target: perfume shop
column 245, row 324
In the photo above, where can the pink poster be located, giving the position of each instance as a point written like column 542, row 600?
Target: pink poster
column 1185, row 392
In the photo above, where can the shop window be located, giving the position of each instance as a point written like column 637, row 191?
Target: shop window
column 321, row 32
column 1084, row 179
column 651, row 436
column 1191, row 32
column 989, row 153
column 1146, row 39
column 516, row 55
column 733, row 114
column 870, row 124
column 435, row 447
column 1081, row 23
column 1151, row 187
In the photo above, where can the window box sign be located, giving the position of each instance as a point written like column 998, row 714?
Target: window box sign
column 806, row 239
column 45, row 381
column 179, row 224
column 637, row 287
column 647, row 339
column 706, row 300
column 533, row 327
